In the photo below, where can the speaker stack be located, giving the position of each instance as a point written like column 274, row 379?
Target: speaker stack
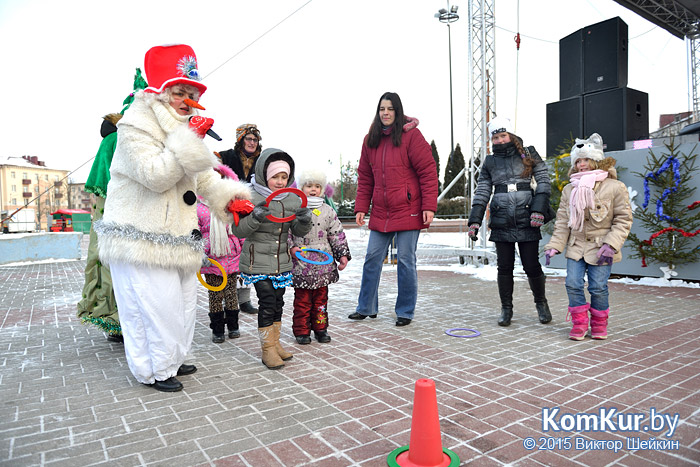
column 593, row 92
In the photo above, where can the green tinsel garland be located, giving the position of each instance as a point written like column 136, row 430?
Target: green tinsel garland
column 108, row 326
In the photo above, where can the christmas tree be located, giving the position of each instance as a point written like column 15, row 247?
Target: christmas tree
column 559, row 175
column 455, row 164
column 436, row 157
column 666, row 212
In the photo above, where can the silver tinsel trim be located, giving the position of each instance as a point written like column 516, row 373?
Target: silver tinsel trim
column 112, row 229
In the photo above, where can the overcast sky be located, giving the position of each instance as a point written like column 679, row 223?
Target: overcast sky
column 312, row 83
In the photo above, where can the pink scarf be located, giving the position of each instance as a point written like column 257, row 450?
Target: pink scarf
column 582, row 196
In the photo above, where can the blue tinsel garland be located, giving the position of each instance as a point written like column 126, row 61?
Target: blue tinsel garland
column 670, row 162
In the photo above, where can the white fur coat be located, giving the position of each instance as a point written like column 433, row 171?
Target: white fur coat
column 159, row 168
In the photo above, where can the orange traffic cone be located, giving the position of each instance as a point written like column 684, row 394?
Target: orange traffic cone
column 425, row 448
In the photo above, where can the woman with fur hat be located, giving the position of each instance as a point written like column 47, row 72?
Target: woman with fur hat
column 246, row 151
column 397, row 177
column 593, row 221
column 311, row 280
column 516, row 213
column 265, row 260
column 149, row 234
column 241, row 159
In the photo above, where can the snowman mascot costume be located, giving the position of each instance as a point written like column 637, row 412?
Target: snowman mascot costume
column 149, row 234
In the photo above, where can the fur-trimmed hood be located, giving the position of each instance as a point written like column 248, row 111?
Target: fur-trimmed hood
column 410, row 124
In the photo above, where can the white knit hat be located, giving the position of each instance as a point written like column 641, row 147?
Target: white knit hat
column 312, row 176
column 499, row 125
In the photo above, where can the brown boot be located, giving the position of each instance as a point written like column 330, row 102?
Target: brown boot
column 269, row 354
column 284, row 355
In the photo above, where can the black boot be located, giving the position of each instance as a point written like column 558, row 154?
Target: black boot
column 322, row 336
column 537, row 287
column 217, row 327
column 505, row 291
column 248, row 307
column 232, row 323
column 169, row 385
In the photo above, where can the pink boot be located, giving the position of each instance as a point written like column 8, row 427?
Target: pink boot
column 599, row 323
column 579, row 317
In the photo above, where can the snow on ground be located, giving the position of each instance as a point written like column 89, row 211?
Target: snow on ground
column 657, row 282
column 41, row 261
column 358, row 238
column 358, row 243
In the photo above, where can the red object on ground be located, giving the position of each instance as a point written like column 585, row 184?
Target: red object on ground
column 425, row 446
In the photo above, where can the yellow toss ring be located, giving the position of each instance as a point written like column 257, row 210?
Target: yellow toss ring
column 210, row 287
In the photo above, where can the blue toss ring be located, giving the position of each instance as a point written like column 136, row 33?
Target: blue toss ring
column 321, row 263
column 450, row 332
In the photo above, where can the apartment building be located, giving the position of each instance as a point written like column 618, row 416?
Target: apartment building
column 78, row 198
column 27, row 181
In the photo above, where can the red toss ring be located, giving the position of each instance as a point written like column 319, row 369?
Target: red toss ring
column 297, row 192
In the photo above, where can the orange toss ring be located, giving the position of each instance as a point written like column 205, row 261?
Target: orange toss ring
column 223, row 273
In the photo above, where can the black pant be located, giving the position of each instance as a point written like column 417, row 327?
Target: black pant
column 529, row 255
column 270, row 303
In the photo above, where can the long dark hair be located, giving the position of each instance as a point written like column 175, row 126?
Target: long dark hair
column 375, row 131
column 528, row 162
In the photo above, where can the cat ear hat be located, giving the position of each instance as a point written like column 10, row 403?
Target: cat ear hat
column 591, row 148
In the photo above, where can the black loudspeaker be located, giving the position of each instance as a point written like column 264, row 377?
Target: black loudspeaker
column 605, row 55
column 618, row 115
column 571, row 65
column 564, row 122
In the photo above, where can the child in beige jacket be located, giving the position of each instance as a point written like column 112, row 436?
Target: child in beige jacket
column 593, row 222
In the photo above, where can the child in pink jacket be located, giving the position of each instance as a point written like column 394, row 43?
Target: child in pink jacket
column 225, row 248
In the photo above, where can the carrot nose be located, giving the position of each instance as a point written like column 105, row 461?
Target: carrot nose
column 194, row 104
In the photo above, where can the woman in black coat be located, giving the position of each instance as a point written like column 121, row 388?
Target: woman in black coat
column 241, row 159
column 517, row 213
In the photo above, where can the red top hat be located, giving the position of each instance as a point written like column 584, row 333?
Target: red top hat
column 167, row 65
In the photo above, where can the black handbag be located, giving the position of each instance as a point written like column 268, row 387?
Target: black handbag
column 550, row 213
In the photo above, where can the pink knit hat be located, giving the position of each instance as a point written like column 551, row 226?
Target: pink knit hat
column 276, row 167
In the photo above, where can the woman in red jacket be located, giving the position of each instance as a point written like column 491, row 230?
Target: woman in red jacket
column 397, row 176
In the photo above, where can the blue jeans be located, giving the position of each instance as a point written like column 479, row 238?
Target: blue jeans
column 407, row 275
column 597, row 283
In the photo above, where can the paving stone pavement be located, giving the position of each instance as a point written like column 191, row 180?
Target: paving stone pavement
column 68, row 397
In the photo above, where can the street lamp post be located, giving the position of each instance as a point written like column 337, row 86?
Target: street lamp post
column 448, row 16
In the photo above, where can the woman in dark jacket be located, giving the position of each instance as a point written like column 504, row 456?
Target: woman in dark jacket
column 241, row 159
column 517, row 213
column 397, row 176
